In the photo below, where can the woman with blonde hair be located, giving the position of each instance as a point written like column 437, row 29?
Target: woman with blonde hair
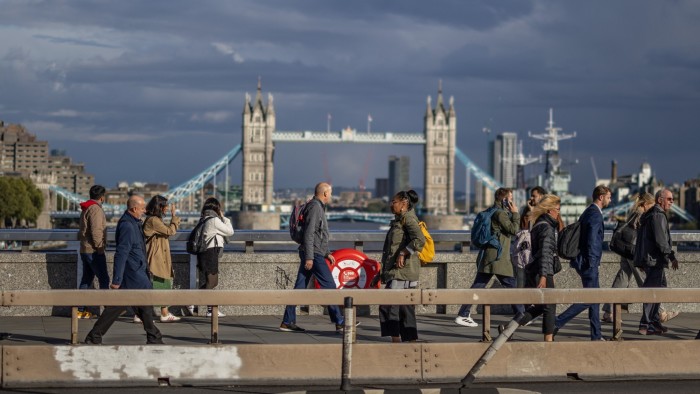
column 643, row 202
column 540, row 273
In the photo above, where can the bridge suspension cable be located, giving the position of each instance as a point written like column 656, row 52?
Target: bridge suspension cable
column 478, row 173
column 196, row 183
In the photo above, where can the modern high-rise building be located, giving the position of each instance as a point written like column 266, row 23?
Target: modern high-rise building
column 502, row 155
column 399, row 168
column 381, row 187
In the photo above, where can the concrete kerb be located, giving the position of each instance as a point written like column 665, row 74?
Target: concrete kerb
column 373, row 364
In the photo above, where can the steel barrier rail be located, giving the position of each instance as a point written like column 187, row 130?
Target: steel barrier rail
column 12, row 298
column 250, row 237
column 282, row 236
column 485, row 297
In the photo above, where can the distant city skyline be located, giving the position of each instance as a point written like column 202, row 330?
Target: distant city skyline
column 154, row 91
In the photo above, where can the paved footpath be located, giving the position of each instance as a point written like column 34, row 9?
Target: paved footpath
column 264, row 330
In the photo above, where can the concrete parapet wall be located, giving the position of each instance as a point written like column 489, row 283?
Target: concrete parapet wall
column 271, row 271
column 91, row 366
column 251, row 220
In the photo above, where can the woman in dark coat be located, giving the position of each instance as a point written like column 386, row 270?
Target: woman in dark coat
column 540, row 274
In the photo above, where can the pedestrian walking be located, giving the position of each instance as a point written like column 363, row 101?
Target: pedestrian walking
column 496, row 261
column 653, row 253
column 401, row 267
column 130, row 272
column 216, row 228
column 588, row 260
column 93, row 240
column 160, row 264
column 313, row 253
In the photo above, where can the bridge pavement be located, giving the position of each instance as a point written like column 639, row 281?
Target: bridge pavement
column 264, row 330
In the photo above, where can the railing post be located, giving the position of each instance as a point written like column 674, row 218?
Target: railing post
column 25, row 246
column 348, row 335
column 486, row 328
column 249, row 247
column 214, row 325
column 74, row 325
column 359, row 245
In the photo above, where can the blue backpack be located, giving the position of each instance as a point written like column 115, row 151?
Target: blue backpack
column 481, row 234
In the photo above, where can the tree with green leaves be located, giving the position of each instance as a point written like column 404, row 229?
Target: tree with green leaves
column 20, row 201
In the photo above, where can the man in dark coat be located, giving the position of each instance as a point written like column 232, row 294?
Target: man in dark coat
column 130, row 265
column 588, row 260
column 653, row 253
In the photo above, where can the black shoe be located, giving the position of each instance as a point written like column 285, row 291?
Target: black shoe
column 658, row 327
column 156, row 342
column 5, row 335
column 291, row 327
column 556, row 331
column 92, row 341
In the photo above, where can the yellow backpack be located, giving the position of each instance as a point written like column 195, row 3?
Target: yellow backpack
column 428, row 253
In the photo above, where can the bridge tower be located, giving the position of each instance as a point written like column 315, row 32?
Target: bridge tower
column 440, row 129
column 258, row 171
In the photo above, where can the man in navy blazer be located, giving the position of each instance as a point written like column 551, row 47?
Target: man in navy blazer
column 588, row 260
column 130, row 272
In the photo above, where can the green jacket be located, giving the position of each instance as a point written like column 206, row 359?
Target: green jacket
column 506, row 225
column 404, row 235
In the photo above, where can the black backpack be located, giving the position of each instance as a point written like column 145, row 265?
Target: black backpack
column 296, row 222
column 623, row 239
column 568, row 244
column 196, row 243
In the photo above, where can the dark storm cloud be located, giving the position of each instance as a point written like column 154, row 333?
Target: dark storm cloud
column 99, row 78
column 62, row 40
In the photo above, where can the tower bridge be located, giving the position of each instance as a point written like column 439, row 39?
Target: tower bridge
column 260, row 138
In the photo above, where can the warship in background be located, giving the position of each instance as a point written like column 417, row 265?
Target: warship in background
column 556, row 180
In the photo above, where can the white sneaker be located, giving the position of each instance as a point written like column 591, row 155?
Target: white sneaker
column 221, row 314
column 169, row 318
column 466, row 321
column 137, row 319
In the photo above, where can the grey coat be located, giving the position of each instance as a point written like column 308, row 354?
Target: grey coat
column 653, row 240
column 315, row 230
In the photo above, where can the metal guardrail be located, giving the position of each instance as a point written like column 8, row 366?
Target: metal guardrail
column 486, row 297
column 250, row 237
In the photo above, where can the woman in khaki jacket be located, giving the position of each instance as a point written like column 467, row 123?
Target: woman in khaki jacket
column 160, row 264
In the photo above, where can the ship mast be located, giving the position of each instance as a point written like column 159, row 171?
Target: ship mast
column 555, row 180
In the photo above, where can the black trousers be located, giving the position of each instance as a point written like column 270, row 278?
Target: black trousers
column 399, row 320
column 110, row 315
column 548, row 311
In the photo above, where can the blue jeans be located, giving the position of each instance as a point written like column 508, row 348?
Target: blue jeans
column 325, row 279
column 480, row 282
column 589, row 280
column 94, row 264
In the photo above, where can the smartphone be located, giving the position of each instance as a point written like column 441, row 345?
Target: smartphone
column 506, row 203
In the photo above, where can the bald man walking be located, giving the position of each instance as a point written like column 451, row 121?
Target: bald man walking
column 130, row 265
column 313, row 251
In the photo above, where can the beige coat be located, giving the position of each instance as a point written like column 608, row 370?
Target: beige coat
column 157, row 233
column 93, row 230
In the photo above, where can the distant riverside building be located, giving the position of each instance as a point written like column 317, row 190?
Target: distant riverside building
column 21, row 152
column 381, row 187
column 70, row 176
column 689, row 197
column 399, row 168
column 23, row 155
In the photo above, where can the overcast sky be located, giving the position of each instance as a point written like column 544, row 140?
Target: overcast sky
column 153, row 91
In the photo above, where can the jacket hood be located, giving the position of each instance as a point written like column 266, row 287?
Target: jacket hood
column 87, row 204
